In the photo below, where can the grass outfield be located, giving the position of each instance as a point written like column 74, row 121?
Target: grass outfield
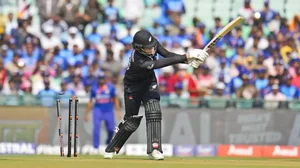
column 41, row 161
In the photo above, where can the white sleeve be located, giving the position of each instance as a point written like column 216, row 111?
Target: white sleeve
column 44, row 43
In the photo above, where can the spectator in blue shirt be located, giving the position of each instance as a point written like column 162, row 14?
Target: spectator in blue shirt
column 166, row 37
column 268, row 88
column 261, row 81
column 267, row 14
column 156, row 29
column 236, row 83
column 76, row 56
column 94, row 37
column 237, row 39
column 65, row 52
column 84, row 68
column 89, row 51
column 127, row 52
column 170, row 10
column 244, row 70
column 69, row 74
column 6, row 54
column 288, row 90
column 29, row 57
column 221, row 55
column 218, row 27
column 58, row 60
column 181, row 36
column 273, row 45
column 90, row 78
column 67, row 92
column 47, row 96
column 111, row 12
column 284, row 27
column 222, row 70
column 174, row 6
column 163, row 88
column 128, row 37
column 13, row 48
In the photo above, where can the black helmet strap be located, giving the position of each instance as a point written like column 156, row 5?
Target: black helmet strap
column 139, row 48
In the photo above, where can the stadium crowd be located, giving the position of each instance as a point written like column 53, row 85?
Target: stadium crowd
column 70, row 48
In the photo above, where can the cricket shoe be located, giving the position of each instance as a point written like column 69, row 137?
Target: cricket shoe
column 108, row 155
column 156, row 155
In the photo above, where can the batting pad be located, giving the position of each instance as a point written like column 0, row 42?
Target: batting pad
column 124, row 131
column 153, row 124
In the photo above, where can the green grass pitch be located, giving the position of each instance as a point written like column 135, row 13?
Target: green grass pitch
column 42, row 161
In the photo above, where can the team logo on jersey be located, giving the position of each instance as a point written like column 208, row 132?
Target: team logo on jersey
column 150, row 39
column 154, row 87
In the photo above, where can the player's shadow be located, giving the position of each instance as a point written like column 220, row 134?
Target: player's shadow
column 132, row 158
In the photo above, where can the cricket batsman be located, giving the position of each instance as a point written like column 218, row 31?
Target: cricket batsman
column 103, row 97
column 140, row 85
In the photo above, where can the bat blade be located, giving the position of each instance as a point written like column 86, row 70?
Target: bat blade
column 223, row 32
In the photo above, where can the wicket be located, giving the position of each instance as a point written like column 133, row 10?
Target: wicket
column 70, row 118
column 75, row 127
column 60, row 135
column 70, row 128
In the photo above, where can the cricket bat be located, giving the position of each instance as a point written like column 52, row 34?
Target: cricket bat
column 223, row 32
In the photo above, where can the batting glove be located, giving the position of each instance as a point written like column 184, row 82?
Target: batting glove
column 197, row 57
